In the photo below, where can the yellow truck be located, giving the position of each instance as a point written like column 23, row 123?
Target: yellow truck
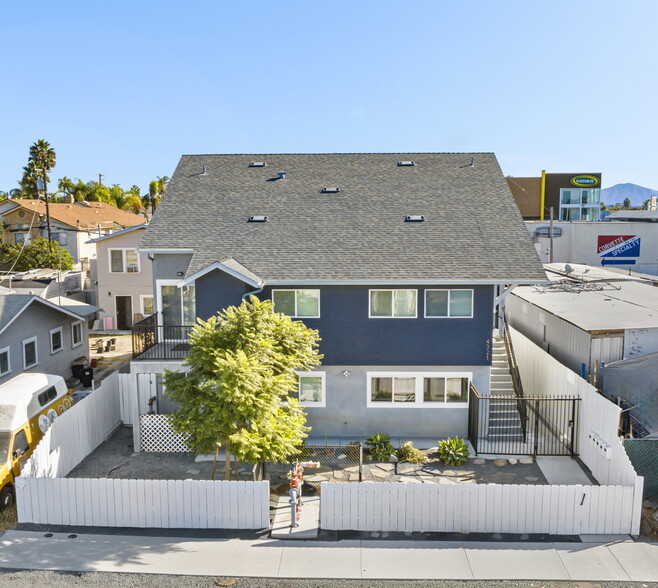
column 29, row 403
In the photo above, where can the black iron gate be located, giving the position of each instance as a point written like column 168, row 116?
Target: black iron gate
column 511, row 425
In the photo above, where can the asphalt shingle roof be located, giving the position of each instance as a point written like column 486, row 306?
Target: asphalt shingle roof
column 473, row 229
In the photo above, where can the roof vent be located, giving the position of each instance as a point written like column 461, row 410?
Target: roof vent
column 258, row 164
column 257, row 219
column 330, row 190
column 281, row 174
column 406, row 163
column 414, row 218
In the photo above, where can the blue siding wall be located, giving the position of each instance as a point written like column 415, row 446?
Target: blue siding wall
column 349, row 337
column 216, row 291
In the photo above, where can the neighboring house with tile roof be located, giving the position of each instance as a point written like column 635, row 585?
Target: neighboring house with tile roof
column 38, row 335
column 123, row 278
column 73, row 224
column 398, row 260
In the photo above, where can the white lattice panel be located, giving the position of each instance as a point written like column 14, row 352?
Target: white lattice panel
column 158, row 435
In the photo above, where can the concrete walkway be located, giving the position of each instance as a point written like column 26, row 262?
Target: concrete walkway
column 613, row 561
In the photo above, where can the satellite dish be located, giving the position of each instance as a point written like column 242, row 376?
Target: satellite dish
column 567, row 268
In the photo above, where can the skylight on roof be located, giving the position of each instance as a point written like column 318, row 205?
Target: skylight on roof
column 258, row 164
column 330, row 190
column 414, row 218
column 257, row 219
column 406, row 163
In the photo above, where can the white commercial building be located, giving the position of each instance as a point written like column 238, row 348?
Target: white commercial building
column 589, row 317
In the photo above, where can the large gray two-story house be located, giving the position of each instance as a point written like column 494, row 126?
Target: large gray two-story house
column 398, row 260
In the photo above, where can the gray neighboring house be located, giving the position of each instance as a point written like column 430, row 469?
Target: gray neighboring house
column 399, row 260
column 124, row 280
column 37, row 335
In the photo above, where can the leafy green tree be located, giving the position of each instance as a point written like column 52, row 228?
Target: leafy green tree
column 627, row 203
column 242, row 369
column 36, row 255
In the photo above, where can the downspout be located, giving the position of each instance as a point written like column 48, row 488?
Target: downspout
column 253, row 293
column 542, row 196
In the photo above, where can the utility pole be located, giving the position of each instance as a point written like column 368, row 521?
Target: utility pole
column 100, row 179
column 550, row 259
column 45, row 194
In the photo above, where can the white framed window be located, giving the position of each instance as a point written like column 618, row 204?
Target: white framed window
column 30, row 354
column 297, row 303
column 76, row 333
column 20, row 238
column 311, row 389
column 418, row 389
column 5, row 361
column 449, row 303
column 56, row 340
column 392, row 303
column 124, row 261
column 148, row 307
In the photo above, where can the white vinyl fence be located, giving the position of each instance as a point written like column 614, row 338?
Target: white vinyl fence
column 612, row 508
column 45, row 496
column 599, row 445
column 475, row 508
column 77, row 432
column 170, row 504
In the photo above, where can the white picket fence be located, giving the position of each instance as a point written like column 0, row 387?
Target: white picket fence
column 77, row 432
column 476, row 508
column 165, row 504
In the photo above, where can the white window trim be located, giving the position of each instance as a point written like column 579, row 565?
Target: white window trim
column 449, row 291
column 392, row 302
column 141, row 303
column 295, row 290
column 59, row 330
column 73, row 343
column 123, row 260
column 157, row 300
column 419, row 402
column 6, row 350
column 36, row 352
column 321, row 375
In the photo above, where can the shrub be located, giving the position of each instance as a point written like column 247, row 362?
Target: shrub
column 407, row 452
column 382, row 452
column 379, row 446
column 453, row 452
column 378, row 439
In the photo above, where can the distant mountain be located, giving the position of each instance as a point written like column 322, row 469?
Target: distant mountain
column 616, row 194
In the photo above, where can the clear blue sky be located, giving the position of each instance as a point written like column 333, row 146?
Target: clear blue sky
column 125, row 88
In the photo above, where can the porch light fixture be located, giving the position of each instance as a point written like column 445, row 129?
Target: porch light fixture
column 346, row 373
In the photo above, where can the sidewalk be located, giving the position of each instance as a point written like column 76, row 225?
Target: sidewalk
column 614, row 561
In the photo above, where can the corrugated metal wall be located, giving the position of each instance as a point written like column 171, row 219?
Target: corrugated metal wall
column 566, row 342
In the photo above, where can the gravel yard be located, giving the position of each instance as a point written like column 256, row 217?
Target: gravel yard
column 116, row 459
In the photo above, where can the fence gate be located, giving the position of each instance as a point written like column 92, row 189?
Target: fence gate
column 511, row 425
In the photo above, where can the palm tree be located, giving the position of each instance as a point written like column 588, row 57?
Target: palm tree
column 156, row 190
column 40, row 162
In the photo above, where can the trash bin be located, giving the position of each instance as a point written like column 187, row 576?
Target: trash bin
column 87, row 376
column 77, row 370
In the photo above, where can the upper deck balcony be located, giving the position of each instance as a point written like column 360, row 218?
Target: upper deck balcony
column 159, row 342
